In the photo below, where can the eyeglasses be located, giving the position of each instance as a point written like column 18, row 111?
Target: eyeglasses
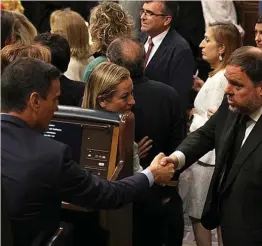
column 150, row 13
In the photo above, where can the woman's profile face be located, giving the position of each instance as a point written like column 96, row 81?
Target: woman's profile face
column 210, row 50
column 122, row 99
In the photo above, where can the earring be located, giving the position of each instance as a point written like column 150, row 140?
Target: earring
column 220, row 58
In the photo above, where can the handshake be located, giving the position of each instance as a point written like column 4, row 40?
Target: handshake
column 163, row 168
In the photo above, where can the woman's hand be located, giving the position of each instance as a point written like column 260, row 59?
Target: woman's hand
column 197, row 83
column 210, row 112
column 144, row 146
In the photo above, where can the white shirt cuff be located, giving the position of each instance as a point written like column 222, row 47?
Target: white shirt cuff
column 181, row 158
column 149, row 175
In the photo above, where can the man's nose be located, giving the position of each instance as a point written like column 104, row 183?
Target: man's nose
column 143, row 16
column 228, row 89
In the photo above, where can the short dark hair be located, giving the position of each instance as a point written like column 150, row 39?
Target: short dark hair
column 7, row 26
column 171, row 8
column 259, row 19
column 60, row 49
column 128, row 53
column 23, row 77
column 249, row 59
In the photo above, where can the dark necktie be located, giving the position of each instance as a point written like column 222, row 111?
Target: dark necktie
column 150, row 47
column 239, row 137
column 236, row 144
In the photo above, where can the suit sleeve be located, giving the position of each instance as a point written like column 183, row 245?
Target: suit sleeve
column 181, row 74
column 80, row 187
column 202, row 140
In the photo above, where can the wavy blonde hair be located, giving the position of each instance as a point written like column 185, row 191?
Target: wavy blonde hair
column 13, row 51
column 102, row 83
column 73, row 27
column 108, row 21
column 24, row 30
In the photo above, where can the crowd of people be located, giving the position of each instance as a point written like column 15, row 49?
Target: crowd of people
column 200, row 157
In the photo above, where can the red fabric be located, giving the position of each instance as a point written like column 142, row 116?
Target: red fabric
column 150, row 47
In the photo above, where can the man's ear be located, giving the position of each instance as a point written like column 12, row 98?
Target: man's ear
column 260, row 89
column 168, row 20
column 35, row 101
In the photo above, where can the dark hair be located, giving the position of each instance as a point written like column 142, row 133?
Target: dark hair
column 259, row 19
column 171, row 8
column 128, row 53
column 249, row 59
column 23, row 77
column 59, row 46
column 7, row 26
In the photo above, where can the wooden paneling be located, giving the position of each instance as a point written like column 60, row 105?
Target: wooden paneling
column 247, row 13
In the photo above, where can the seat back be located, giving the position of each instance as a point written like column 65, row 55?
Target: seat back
column 101, row 142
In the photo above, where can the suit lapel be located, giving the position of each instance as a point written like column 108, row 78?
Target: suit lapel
column 253, row 140
column 160, row 53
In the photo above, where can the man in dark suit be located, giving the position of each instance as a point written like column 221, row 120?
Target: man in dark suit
column 234, row 199
column 169, row 58
column 37, row 172
column 71, row 91
column 158, row 115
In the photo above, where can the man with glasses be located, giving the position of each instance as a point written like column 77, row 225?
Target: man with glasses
column 168, row 56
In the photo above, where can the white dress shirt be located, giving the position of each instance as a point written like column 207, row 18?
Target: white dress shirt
column 157, row 40
column 249, row 127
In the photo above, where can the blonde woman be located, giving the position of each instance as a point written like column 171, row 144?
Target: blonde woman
column 72, row 26
column 110, row 88
column 13, row 5
column 108, row 21
column 220, row 40
column 24, row 30
column 13, row 51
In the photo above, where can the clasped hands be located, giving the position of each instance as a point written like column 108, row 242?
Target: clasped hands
column 163, row 168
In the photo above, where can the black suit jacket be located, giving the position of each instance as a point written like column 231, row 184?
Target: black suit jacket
column 158, row 115
column 237, row 204
column 190, row 23
column 173, row 64
column 71, row 91
column 38, row 173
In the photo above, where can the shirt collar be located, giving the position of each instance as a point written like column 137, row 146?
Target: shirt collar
column 256, row 115
column 159, row 38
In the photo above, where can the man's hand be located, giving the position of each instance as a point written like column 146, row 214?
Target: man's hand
column 144, row 146
column 170, row 159
column 161, row 173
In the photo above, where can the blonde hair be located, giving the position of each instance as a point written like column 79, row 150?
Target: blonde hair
column 72, row 26
column 102, row 83
column 108, row 21
column 13, row 51
column 227, row 35
column 24, row 30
